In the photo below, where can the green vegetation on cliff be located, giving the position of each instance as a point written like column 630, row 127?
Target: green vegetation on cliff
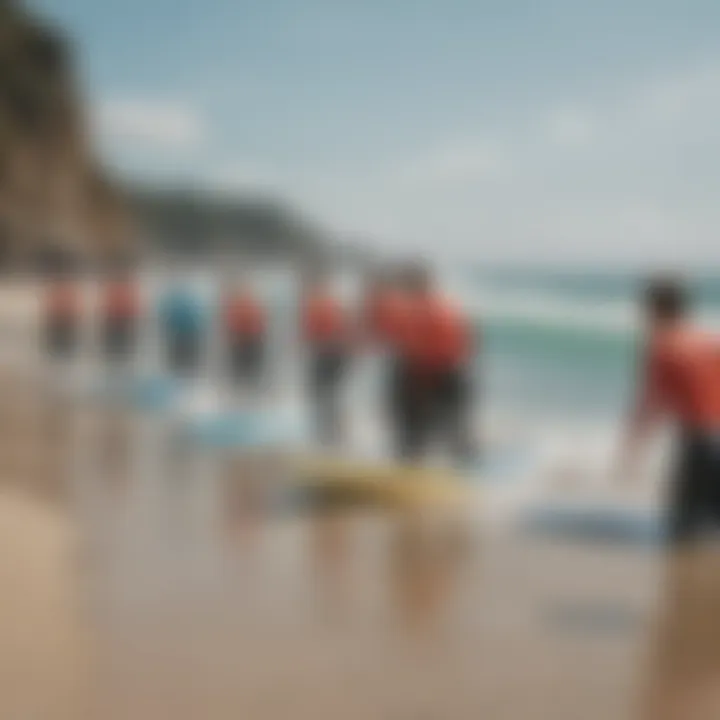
column 197, row 222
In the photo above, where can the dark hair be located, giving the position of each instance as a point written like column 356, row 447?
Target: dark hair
column 666, row 297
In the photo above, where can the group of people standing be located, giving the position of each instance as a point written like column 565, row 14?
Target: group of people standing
column 425, row 341
column 429, row 349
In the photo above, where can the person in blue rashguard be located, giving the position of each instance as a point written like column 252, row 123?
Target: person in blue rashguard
column 183, row 321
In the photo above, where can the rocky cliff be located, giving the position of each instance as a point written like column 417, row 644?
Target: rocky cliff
column 56, row 199
column 53, row 194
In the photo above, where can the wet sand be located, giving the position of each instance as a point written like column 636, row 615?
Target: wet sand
column 142, row 580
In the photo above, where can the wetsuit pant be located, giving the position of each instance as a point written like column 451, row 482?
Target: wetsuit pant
column 451, row 409
column 407, row 410
column 120, row 334
column 695, row 489
column 246, row 361
column 426, row 407
column 61, row 338
column 326, row 372
column 183, row 352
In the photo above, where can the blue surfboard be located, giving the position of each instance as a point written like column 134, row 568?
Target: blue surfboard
column 244, row 429
column 142, row 392
column 598, row 524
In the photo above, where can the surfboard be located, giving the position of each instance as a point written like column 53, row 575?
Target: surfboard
column 141, row 392
column 244, row 429
column 384, row 481
column 380, row 483
column 607, row 523
column 154, row 392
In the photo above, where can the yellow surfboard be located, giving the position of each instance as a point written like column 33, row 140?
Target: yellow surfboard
column 381, row 483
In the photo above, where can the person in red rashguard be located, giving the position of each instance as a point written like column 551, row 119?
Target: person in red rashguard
column 245, row 323
column 432, row 390
column 680, row 380
column 62, row 313
column 326, row 335
column 120, row 313
column 382, row 312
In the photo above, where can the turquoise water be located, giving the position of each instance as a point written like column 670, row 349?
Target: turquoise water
column 565, row 344
column 553, row 370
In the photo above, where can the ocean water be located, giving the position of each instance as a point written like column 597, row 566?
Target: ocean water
column 561, row 345
column 557, row 373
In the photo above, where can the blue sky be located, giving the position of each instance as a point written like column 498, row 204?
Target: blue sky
column 507, row 130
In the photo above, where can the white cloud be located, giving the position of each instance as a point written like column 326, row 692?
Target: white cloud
column 643, row 189
column 632, row 176
column 460, row 161
column 150, row 123
column 570, row 127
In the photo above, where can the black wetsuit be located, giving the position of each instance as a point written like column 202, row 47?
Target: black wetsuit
column 327, row 368
column 120, row 337
column 695, row 487
column 61, row 337
column 425, row 406
column 247, row 360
